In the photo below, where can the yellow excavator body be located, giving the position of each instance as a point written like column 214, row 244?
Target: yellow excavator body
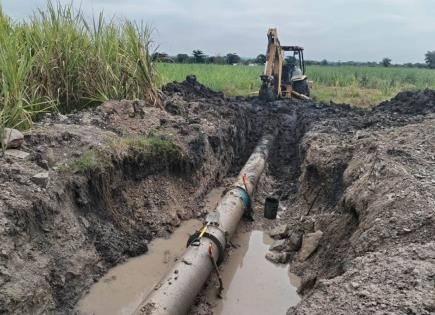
column 283, row 78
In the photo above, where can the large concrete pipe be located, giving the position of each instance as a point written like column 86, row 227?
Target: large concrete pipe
column 176, row 292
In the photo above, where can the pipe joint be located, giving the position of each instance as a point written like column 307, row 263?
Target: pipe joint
column 219, row 238
column 241, row 192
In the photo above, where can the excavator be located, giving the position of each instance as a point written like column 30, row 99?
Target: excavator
column 283, row 77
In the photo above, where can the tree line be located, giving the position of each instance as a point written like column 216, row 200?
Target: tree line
column 198, row 56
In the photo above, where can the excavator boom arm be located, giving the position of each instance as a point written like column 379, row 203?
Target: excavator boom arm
column 274, row 60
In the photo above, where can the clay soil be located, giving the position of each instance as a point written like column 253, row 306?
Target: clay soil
column 365, row 179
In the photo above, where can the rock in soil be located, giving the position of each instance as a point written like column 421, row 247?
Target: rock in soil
column 278, row 258
column 41, row 179
column 294, row 240
column 310, row 242
column 279, row 245
column 17, row 154
column 12, row 138
column 279, row 232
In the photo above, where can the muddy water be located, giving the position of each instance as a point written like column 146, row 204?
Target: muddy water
column 125, row 286
column 254, row 285
column 122, row 289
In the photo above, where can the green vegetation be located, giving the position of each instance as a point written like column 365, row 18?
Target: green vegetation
column 360, row 86
column 90, row 161
column 429, row 58
column 364, row 86
column 232, row 80
column 56, row 60
column 151, row 147
column 386, row 62
column 198, row 56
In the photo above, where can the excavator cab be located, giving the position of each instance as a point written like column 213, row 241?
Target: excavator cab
column 293, row 72
column 284, row 76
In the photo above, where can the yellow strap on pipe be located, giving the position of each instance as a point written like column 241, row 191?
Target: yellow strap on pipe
column 204, row 229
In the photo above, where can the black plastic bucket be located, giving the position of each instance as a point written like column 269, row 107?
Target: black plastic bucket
column 271, row 208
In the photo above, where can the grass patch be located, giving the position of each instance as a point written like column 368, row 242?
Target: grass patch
column 360, row 97
column 360, row 86
column 152, row 148
column 90, row 161
column 232, row 80
column 147, row 149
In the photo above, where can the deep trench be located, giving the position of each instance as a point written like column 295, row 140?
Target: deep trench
column 284, row 171
column 107, row 203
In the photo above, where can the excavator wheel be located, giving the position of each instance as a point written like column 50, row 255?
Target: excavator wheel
column 302, row 87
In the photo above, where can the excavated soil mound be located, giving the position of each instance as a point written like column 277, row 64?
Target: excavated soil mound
column 410, row 103
column 190, row 88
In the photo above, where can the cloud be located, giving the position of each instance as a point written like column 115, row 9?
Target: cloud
column 333, row 29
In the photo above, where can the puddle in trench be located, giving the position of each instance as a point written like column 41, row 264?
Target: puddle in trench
column 252, row 283
column 122, row 289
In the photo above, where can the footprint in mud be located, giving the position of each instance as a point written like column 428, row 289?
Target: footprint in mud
column 166, row 256
column 110, row 279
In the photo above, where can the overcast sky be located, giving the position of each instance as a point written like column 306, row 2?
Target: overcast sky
column 361, row 30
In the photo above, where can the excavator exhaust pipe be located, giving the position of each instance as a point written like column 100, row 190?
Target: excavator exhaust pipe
column 176, row 291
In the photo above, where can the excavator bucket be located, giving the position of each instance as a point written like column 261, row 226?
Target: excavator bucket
column 267, row 88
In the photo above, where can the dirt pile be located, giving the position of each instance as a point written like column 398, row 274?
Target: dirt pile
column 371, row 197
column 190, row 88
column 366, row 184
column 410, row 103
